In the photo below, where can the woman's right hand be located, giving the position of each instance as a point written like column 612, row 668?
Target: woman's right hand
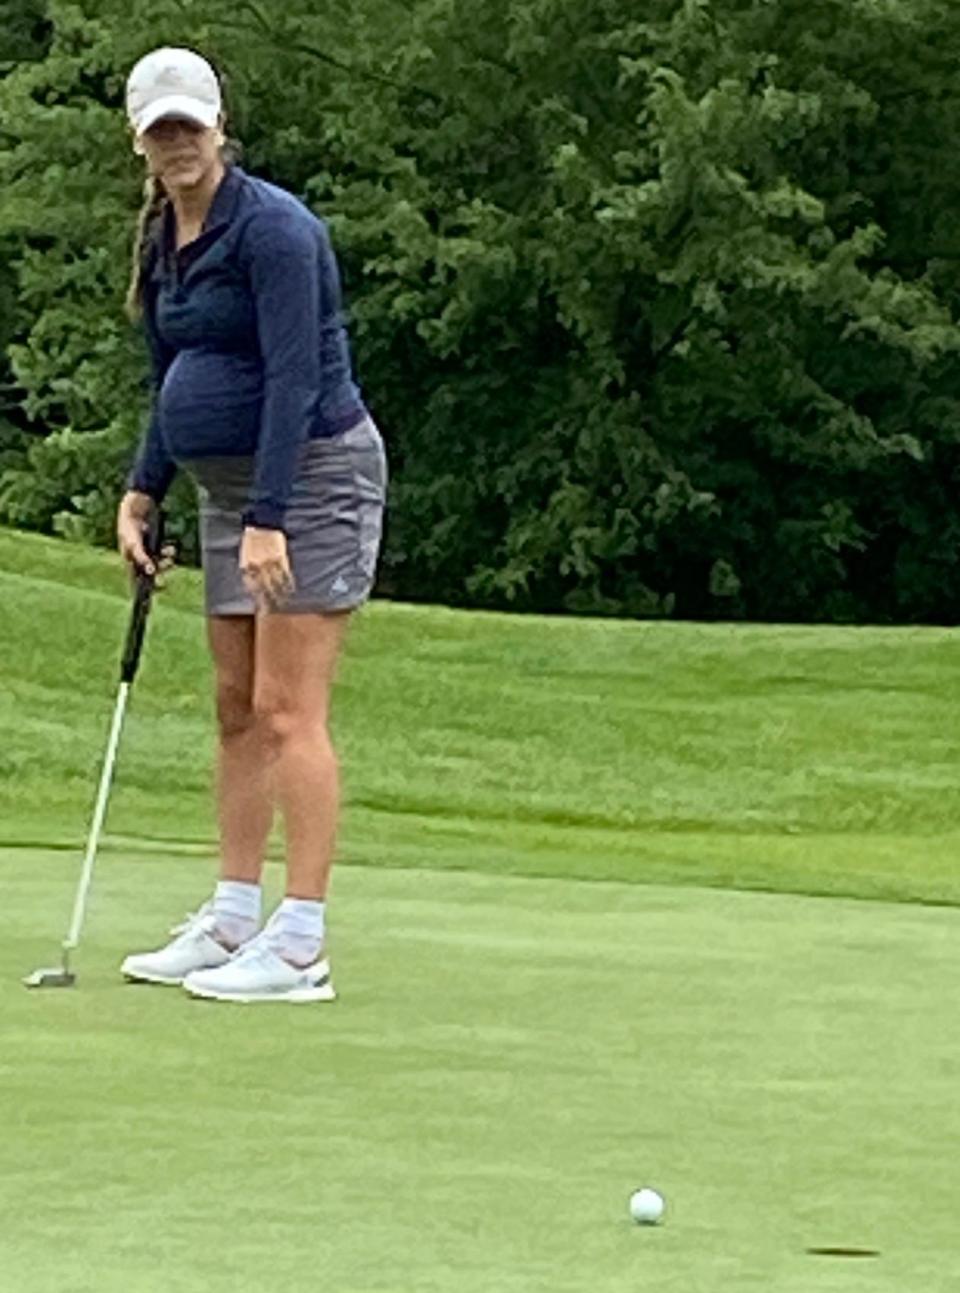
column 133, row 519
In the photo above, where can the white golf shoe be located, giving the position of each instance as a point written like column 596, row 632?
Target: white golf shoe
column 193, row 948
column 257, row 973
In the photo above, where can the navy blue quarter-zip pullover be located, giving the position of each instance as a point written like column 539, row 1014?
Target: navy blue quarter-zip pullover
column 250, row 355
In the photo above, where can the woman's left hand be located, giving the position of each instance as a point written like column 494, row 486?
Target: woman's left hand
column 265, row 566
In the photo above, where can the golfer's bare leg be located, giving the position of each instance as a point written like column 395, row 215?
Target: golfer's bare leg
column 244, row 800
column 296, row 658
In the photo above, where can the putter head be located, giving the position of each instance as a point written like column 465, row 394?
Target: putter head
column 55, row 977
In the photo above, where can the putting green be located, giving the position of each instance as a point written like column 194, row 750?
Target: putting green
column 508, row 1060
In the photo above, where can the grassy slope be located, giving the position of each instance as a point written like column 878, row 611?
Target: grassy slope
column 509, row 1059
column 818, row 760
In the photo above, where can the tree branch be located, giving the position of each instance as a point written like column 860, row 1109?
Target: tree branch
column 258, row 16
column 301, row 47
column 676, row 336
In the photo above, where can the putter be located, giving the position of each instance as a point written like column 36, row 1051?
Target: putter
column 62, row 976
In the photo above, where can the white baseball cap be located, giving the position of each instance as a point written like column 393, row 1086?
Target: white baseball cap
column 173, row 83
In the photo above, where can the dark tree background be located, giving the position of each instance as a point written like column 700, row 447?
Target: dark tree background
column 658, row 313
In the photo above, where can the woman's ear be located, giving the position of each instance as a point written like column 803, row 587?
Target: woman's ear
column 138, row 147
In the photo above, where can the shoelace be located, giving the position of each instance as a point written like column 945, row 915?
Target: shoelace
column 256, row 954
column 196, row 920
column 258, row 949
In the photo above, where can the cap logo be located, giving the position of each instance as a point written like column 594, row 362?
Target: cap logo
column 171, row 76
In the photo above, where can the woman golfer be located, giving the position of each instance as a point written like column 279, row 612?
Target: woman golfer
column 240, row 297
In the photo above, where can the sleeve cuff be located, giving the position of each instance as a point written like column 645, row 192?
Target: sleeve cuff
column 264, row 516
column 141, row 486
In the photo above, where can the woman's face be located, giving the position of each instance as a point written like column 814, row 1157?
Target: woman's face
column 180, row 152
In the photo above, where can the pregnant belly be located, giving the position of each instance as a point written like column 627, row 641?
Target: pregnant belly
column 210, row 404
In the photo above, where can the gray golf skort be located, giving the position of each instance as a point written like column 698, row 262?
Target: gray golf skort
column 333, row 523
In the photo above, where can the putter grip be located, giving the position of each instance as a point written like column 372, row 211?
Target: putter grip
column 142, row 595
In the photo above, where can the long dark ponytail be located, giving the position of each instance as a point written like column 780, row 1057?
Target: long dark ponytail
column 155, row 200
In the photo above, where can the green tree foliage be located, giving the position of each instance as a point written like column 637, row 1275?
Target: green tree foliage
column 655, row 303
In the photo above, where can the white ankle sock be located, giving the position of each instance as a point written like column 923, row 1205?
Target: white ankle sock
column 297, row 930
column 236, row 909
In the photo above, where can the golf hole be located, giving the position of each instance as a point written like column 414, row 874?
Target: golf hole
column 843, row 1252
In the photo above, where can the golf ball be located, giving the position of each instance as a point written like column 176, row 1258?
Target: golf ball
column 646, row 1207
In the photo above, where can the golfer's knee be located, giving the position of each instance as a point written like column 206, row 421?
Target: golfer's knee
column 276, row 723
column 235, row 713
column 282, row 725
